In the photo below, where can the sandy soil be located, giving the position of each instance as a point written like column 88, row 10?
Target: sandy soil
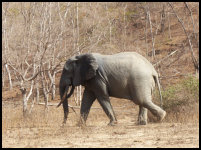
column 46, row 131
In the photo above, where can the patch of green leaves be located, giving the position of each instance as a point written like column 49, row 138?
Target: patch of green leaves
column 191, row 85
column 183, row 93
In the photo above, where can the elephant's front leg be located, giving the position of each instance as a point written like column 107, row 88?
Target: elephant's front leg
column 107, row 107
column 142, row 117
column 87, row 101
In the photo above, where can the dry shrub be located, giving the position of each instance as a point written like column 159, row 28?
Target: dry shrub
column 10, row 94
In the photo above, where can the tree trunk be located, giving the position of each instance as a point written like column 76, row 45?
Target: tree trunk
column 45, row 93
column 163, row 19
column 3, row 76
column 169, row 30
column 9, row 77
column 37, row 93
column 152, row 36
column 25, row 97
column 146, row 20
column 53, row 87
column 24, row 101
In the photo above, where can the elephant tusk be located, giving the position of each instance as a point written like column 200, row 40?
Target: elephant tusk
column 65, row 96
column 62, row 100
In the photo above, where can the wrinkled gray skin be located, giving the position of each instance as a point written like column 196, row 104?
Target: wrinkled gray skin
column 125, row 75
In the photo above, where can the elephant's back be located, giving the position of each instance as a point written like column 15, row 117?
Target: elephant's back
column 133, row 55
column 138, row 59
column 122, row 56
column 125, row 62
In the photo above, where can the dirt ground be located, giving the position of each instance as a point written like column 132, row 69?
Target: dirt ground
column 41, row 130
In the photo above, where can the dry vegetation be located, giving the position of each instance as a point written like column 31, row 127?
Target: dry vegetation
column 39, row 37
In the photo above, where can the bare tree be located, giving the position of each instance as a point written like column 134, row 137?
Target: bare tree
column 195, row 62
column 24, row 82
column 194, row 32
column 6, row 43
column 148, row 17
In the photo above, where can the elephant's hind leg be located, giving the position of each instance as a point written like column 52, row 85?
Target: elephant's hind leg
column 144, row 99
column 142, row 117
column 155, row 110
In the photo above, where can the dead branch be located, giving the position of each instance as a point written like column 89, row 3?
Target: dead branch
column 165, row 58
column 22, row 76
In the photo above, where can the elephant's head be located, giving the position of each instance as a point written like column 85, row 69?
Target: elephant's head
column 77, row 70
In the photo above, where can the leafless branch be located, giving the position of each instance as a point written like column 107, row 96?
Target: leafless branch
column 165, row 58
column 196, row 65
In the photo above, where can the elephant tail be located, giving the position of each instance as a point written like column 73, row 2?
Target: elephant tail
column 159, row 88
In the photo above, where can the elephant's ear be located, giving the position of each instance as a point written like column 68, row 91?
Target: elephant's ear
column 88, row 66
column 69, row 64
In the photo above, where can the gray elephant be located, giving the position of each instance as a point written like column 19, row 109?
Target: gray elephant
column 125, row 75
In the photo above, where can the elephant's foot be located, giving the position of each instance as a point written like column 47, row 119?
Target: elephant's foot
column 162, row 116
column 63, row 123
column 81, row 123
column 112, row 123
column 142, row 121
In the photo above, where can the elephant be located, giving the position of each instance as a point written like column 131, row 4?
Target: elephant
column 125, row 75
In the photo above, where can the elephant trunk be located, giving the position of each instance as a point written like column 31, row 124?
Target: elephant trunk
column 63, row 90
column 64, row 99
column 64, row 96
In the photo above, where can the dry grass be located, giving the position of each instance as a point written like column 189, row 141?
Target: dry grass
column 41, row 130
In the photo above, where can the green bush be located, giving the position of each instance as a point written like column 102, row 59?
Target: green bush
column 191, row 85
column 186, row 92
